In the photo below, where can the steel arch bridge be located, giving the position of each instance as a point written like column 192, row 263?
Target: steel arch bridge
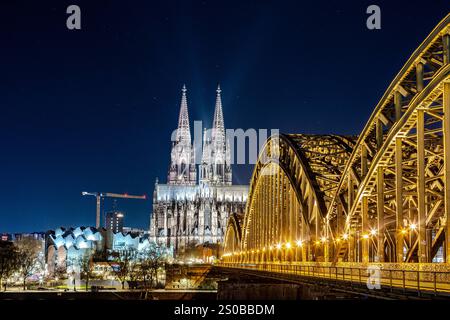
column 380, row 197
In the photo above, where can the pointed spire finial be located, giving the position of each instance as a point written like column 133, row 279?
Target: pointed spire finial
column 183, row 131
column 218, row 89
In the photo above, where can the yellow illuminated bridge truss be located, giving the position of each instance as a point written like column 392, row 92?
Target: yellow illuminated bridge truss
column 380, row 197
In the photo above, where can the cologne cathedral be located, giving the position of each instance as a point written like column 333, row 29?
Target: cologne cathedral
column 191, row 211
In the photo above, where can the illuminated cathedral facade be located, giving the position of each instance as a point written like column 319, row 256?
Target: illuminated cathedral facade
column 191, row 210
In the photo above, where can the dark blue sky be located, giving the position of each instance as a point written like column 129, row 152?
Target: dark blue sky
column 94, row 109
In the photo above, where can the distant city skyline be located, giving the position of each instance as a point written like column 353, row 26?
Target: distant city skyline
column 93, row 110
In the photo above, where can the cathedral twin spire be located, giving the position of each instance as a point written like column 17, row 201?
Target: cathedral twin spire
column 183, row 131
column 182, row 165
column 215, row 166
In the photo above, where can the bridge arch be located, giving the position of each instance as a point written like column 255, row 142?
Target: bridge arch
column 393, row 195
column 289, row 193
column 232, row 241
column 383, row 196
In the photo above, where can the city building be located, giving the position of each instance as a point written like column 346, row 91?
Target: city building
column 135, row 231
column 191, row 210
column 5, row 237
column 21, row 236
column 114, row 221
column 64, row 246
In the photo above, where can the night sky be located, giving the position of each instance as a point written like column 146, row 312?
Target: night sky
column 93, row 110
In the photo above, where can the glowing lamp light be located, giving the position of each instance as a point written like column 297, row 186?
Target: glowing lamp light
column 299, row 243
column 288, row 245
column 317, row 242
column 403, row 231
column 413, row 226
column 345, row 236
column 270, row 248
column 365, row 236
column 279, row 246
column 323, row 239
column 373, row 232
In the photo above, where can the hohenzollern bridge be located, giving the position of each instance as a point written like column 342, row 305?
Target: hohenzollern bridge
column 333, row 206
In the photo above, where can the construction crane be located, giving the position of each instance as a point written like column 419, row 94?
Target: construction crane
column 100, row 195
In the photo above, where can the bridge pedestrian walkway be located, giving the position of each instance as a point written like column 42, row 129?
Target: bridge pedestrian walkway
column 420, row 282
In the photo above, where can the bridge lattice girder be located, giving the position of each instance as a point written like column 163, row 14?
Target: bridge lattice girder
column 383, row 196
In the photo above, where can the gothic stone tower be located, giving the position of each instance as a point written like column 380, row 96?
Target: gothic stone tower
column 215, row 168
column 182, row 170
column 189, row 215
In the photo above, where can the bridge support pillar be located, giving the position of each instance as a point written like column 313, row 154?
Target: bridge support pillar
column 380, row 214
column 446, row 125
column 419, row 76
column 305, row 252
column 326, row 251
column 398, row 200
column 351, row 246
column 446, row 45
column 421, row 216
column 365, row 229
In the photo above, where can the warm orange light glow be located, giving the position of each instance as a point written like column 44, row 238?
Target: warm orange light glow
column 392, row 176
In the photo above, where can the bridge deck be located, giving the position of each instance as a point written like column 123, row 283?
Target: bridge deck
column 400, row 281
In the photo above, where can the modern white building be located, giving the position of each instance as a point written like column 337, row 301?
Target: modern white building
column 63, row 246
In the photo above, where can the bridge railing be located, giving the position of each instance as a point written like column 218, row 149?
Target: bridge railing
column 420, row 281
